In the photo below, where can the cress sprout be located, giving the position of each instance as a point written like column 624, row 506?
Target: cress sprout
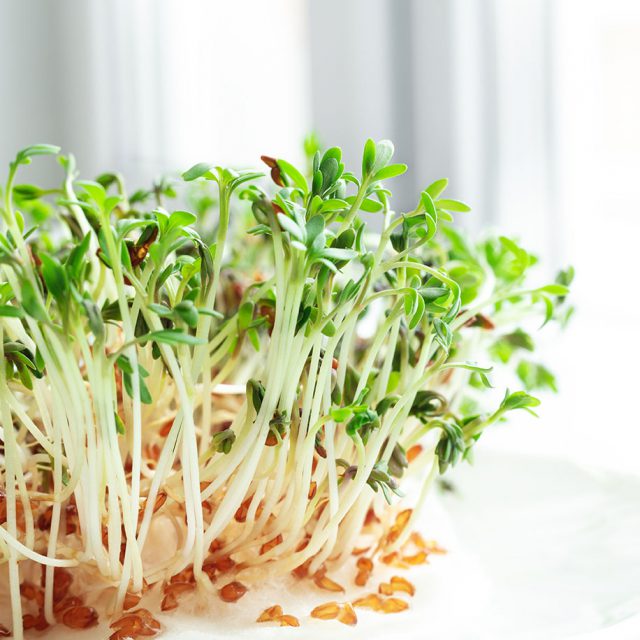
column 267, row 370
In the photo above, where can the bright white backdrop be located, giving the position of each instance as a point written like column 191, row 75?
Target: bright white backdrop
column 154, row 85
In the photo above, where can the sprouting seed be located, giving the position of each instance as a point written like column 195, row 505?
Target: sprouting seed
column 327, row 611
column 288, row 620
column 81, row 617
column 347, row 615
column 232, row 592
column 270, row 614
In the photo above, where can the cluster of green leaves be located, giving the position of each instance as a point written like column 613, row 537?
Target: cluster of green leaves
column 168, row 279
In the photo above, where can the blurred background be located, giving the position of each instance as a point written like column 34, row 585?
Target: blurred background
column 530, row 107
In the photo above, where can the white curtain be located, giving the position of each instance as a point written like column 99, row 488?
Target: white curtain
column 149, row 86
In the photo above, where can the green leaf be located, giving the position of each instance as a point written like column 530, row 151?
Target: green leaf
column 119, row 424
column 24, row 155
column 390, row 171
column 384, row 153
column 503, row 348
column 296, row 177
column 74, row 261
column 255, row 392
column 54, row 276
column 419, row 313
column 480, row 371
column 453, row 205
column 26, row 192
column 9, row 311
column 370, row 205
column 254, row 338
column 187, row 312
column 94, row 317
column 181, row 219
column 245, row 315
column 554, row 289
column 536, row 376
column 313, row 228
column 436, row 188
column 200, row 170
column 94, row 189
column 340, row 414
column 172, row 337
column 518, row 400
column 443, row 335
column 329, row 329
column 31, row 302
column 161, row 310
column 339, row 254
column 289, row 225
column 368, row 157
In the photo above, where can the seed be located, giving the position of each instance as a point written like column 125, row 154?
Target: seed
column 418, row 540
column 223, row 563
column 347, row 615
column 385, row 589
column 131, row 600
column 32, row 593
column 416, row 558
column 327, row 611
column 303, row 543
column 394, row 605
column 186, row 575
column 323, row 582
column 267, row 546
column 67, row 603
column 413, row 452
column 169, row 602
column 372, row 601
column 210, row 569
column 362, row 577
column 62, row 580
column 271, row 439
column 28, row 621
column 150, row 626
column 233, row 591
column 433, row 547
column 393, row 559
column 313, row 487
column 44, row 520
column 401, row 522
column 152, row 452
column 269, row 161
column 41, row 621
column 288, row 621
column 243, row 509
column 80, row 617
column 165, row 428
column 398, row 583
column 364, row 564
column 131, row 623
column 358, row 551
column 371, row 517
column 302, row 571
column 71, row 515
column 270, row 614
column 37, row 622
column 161, row 498
column 216, row 545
